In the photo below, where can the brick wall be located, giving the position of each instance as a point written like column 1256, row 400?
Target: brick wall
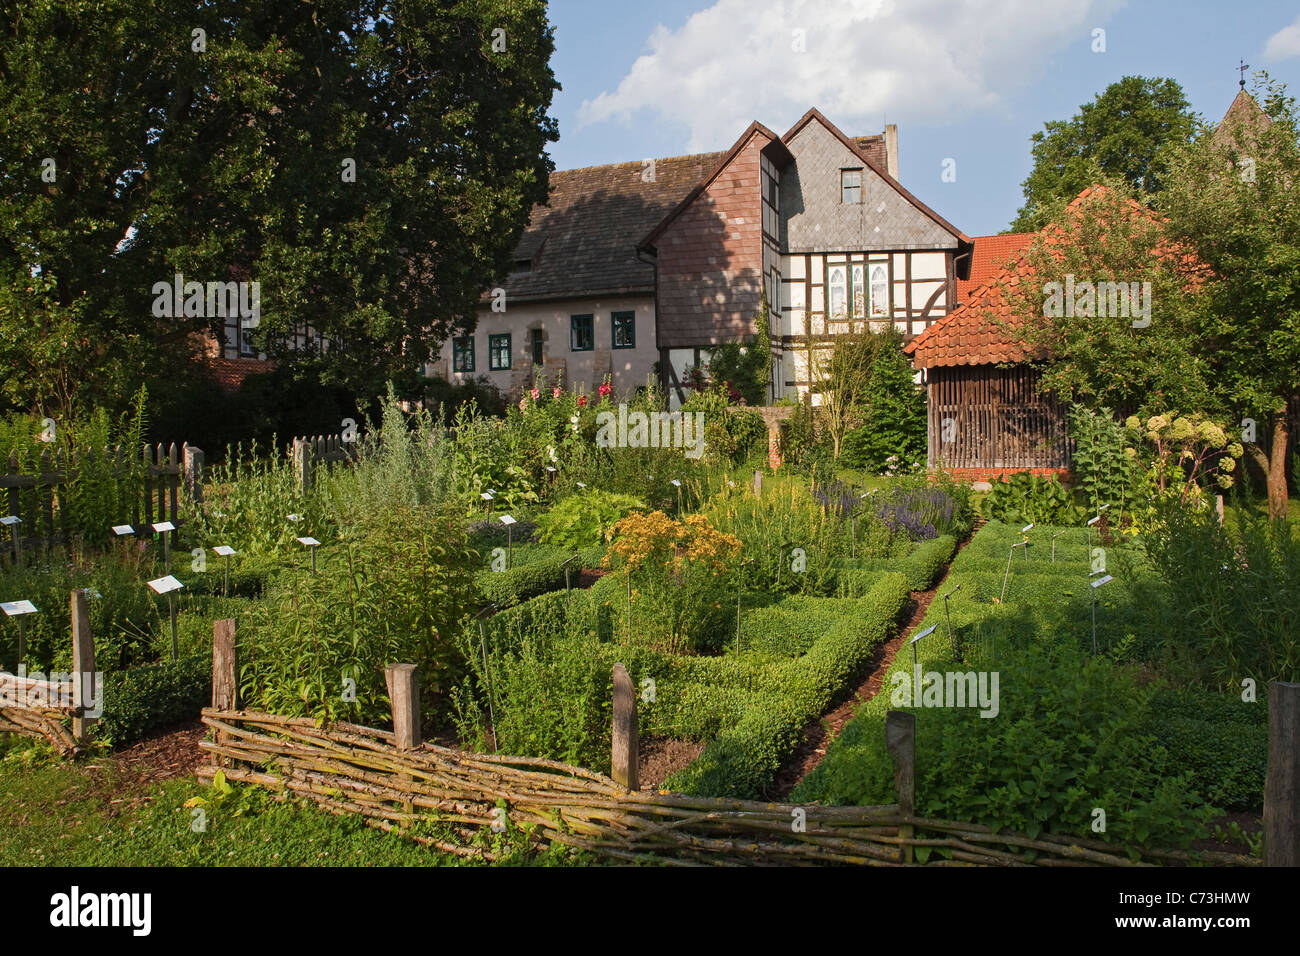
column 710, row 260
column 996, row 474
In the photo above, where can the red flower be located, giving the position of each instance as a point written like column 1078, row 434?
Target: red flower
column 605, row 389
column 557, row 392
column 535, row 393
column 582, row 401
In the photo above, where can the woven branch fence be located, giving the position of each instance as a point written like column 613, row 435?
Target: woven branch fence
column 393, row 781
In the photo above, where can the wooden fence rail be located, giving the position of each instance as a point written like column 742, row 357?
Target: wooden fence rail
column 392, row 779
column 309, row 452
column 43, row 499
column 38, row 707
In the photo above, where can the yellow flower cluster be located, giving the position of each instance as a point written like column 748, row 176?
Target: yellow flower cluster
column 642, row 539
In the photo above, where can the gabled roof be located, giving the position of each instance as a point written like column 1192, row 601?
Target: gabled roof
column 869, row 157
column 755, row 129
column 990, row 255
column 578, row 243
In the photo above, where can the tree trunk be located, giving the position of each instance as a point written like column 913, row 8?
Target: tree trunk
column 1277, row 493
column 1274, row 465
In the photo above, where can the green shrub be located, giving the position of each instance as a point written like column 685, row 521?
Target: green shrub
column 508, row 588
column 1221, row 739
column 921, row 568
column 584, row 521
column 1024, row 497
column 141, row 699
column 1071, row 734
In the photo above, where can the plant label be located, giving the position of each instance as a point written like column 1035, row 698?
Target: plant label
column 580, row 484
column 121, row 529
column 485, row 496
column 15, row 608
column 11, row 519
column 224, row 550
column 1093, row 521
column 1026, row 528
column 165, row 584
column 507, row 520
column 1103, row 580
column 164, row 526
column 675, row 483
column 309, row 542
column 926, row 633
column 295, row 517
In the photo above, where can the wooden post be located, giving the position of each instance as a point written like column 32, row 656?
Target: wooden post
column 225, row 673
column 758, row 482
column 225, row 666
column 404, row 692
column 1282, row 781
column 1218, row 507
column 624, row 759
column 83, row 668
column 900, row 740
column 194, row 473
column 302, row 453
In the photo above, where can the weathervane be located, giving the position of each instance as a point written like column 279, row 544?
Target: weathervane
column 1242, row 70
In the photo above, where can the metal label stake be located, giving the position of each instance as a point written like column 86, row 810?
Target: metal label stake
column 168, row 585
column 225, row 551
column 20, row 610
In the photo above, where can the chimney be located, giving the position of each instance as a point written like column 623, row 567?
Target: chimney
column 891, row 149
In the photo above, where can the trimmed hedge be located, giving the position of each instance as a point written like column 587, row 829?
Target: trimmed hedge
column 743, row 760
column 921, row 567
column 140, row 699
column 508, row 588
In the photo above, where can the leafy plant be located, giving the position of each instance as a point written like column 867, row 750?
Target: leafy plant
column 1025, row 497
column 581, row 521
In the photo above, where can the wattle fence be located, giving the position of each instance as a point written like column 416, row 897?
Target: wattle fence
column 394, row 780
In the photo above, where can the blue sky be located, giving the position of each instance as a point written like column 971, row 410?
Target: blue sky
column 969, row 80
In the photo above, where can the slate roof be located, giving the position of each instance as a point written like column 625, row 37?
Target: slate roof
column 583, row 240
column 990, row 255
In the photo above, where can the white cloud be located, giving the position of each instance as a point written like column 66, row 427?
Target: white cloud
column 1285, row 43
column 734, row 62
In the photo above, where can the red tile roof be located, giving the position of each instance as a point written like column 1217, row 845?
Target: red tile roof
column 990, row 255
column 983, row 330
column 229, row 374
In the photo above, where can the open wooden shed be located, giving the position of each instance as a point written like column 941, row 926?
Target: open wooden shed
column 987, row 416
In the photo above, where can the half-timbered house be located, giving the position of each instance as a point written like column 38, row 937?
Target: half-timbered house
column 640, row 267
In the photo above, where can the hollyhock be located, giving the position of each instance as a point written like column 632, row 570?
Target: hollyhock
column 605, row 389
column 557, row 392
column 582, row 401
column 536, row 393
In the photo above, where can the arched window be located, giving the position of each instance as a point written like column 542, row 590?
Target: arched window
column 879, row 290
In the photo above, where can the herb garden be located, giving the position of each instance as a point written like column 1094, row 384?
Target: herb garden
column 514, row 563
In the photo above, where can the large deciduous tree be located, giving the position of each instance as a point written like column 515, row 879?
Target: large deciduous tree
column 1118, row 136
column 1233, row 198
column 1221, row 337
column 371, row 164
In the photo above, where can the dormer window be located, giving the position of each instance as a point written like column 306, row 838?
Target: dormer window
column 851, row 186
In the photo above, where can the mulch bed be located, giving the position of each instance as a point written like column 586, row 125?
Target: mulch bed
column 658, row 758
column 167, row 753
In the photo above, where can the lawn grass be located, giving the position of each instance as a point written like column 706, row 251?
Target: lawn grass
column 91, row 813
